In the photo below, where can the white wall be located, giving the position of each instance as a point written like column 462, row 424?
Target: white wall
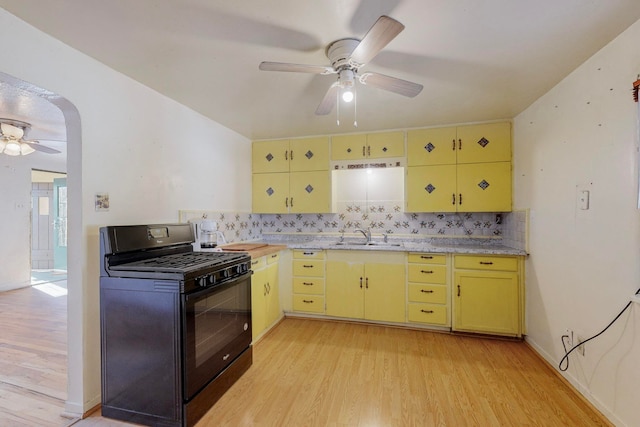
column 152, row 155
column 585, row 264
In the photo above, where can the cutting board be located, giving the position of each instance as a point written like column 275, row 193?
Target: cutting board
column 243, row 247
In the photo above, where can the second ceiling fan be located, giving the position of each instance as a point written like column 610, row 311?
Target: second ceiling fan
column 347, row 56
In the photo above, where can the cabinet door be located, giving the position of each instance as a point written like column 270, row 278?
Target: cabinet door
column 348, row 147
column 383, row 145
column 258, row 302
column 486, row 301
column 490, row 142
column 384, row 296
column 484, row 187
column 270, row 192
column 431, row 188
column 310, row 192
column 309, row 154
column 270, row 156
column 273, row 296
column 344, row 288
column 436, row 146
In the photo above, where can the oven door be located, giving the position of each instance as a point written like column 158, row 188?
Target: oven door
column 216, row 329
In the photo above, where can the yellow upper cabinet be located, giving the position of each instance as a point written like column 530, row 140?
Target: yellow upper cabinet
column 349, row 147
column 384, row 145
column 489, row 142
column 270, row 192
column 435, row 146
column 295, row 155
column 484, row 187
column 270, row 156
column 295, row 192
column 309, row 154
column 482, row 143
column 431, row 188
column 367, row 146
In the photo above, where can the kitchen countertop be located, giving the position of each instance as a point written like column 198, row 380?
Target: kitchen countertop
column 264, row 250
column 394, row 244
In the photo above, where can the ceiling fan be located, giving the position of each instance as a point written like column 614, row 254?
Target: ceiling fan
column 347, row 56
column 12, row 142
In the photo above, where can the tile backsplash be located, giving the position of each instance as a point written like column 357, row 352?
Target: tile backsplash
column 380, row 218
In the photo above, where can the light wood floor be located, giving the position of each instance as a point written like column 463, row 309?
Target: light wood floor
column 33, row 357
column 313, row 373
column 320, row 373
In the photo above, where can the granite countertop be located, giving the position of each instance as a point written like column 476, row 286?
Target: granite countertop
column 398, row 244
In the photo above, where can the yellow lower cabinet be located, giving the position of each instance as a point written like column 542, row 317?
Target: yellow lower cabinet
column 428, row 290
column 486, row 300
column 265, row 299
column 358, row 289
column 308, row 281
column 308, row 303
column 428, row 313
column 258, row 300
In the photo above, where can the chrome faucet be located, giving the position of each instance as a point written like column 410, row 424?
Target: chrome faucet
column 366, row 233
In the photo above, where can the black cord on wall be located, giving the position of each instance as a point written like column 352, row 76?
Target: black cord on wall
column 567, row 353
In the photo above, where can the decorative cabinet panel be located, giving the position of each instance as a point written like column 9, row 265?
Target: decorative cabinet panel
column 487, row 295
column 295, row 192
column 483, row 143
column 358, row 289
column 308, row 281
column 474, row 187
column 428, row 286
column 367, row 146
column 295, row 155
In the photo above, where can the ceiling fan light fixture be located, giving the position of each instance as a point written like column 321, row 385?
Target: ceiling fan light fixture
column 26, row 149
column 347, row 95
column 12, row 148
column 11, row 131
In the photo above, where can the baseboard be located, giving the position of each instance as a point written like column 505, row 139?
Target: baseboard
column 574, row 385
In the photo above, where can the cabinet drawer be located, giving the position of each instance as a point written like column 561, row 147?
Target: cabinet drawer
column 308, row 268
column 425, row 273
column 308, row 254
column 308, row 285
column 478, row 262
column 428, row 313
column 427, row 259
column 273, row 258
column 309, row 303
column 428, row 293
column 258, row 263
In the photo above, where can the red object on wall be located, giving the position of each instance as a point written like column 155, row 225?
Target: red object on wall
column 636, row 86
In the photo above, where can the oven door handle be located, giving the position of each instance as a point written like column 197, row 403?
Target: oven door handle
column 208, row 290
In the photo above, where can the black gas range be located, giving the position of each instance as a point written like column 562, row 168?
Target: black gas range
column 175, row 324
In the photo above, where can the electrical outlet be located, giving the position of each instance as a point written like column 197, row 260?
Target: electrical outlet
column 580, row 348
column 569, row 340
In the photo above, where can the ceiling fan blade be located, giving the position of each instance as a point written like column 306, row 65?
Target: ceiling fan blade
column 329, row 100
column 36, row 146
column 296, row 68
column 379, row 35
column 392, row 84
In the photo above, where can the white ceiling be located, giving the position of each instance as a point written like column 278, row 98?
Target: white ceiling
column 477, row 59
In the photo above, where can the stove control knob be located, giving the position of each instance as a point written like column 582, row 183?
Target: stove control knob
column 211, row 279
column 201, row 281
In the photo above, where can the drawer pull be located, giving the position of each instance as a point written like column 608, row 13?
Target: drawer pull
column 308, row 253
column 426, row 257
column 274, row 256
column 307, row 266
column 254, row 262
column 426, row 271
column 427, row 311
column 307, row 301
column 307, row 283
column 426, row 291
column 486, row 263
